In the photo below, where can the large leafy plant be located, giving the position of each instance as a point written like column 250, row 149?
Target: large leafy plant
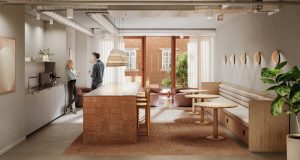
column 182, row 70
column 286, row 86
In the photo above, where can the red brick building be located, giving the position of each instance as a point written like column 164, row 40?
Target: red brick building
column 157, row 60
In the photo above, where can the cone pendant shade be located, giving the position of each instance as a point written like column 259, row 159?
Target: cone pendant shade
column 117, row 58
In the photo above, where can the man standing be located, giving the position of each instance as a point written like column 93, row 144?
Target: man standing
column 98, row 71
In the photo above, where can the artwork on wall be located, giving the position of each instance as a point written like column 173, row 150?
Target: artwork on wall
column 276, row 57
column 7, row 65
column 232, row 59
column 243, row 58
column 224, row 59
column 257, row 57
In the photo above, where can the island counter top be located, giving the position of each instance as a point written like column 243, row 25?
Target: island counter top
column 110, row 114
column 116, row 89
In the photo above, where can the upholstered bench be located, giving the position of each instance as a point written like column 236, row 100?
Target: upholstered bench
column 251, row 121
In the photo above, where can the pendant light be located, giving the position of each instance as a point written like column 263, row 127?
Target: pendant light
column 117, row 57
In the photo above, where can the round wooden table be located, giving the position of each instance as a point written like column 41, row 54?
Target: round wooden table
column 193, row 91
column 201, row 97
column 215, row 106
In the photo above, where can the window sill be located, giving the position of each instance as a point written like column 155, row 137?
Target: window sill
column 132, row 70
column 164, row 70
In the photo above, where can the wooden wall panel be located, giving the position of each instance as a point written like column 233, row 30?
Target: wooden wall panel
column 267, row 133
column 109, row 120
column 212, row 87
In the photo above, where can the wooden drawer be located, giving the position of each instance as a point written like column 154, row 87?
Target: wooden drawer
column 235, row 125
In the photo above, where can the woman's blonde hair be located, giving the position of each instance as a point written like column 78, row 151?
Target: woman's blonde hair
column 69, row 64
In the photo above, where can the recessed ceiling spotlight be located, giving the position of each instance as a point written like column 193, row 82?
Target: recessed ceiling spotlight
column 51, row 22
column 70, row 13
column 38, row 16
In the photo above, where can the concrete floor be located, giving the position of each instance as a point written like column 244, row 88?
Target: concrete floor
column 50, row 142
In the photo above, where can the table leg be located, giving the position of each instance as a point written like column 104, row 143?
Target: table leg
column 215, row 135
column 193, row 107
column 202, row 117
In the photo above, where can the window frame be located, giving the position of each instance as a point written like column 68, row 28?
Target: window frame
column 168, row 51
column 129, row 51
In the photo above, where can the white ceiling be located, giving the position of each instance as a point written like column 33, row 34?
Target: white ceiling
column 164, row 20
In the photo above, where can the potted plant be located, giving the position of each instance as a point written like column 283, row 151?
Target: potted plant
column 287, row 88
column 45, row 54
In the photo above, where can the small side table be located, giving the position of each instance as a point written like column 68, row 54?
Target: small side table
column 194, row 100
column 215, row 106
column 201, row 97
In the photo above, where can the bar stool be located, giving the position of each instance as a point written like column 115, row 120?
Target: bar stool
column 143, row 102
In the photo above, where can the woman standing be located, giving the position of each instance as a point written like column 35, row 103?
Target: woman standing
column 71, row 77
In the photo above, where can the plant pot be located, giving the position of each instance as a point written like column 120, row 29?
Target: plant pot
column 45, row 58
column 293, row 146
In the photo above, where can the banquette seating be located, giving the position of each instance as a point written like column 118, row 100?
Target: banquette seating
column 251, row 121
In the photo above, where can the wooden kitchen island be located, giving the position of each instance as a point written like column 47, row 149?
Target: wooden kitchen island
column 109, row 114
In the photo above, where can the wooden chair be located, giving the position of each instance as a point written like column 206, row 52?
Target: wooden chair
column 143, row 102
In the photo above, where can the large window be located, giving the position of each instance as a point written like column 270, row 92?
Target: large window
column 131, row 52
column 166, row 58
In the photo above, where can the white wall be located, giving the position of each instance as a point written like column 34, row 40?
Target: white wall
column 55, row 39
column 12, row 111
column 34, row 42
column 81, row 54
column 84, row 46
column 256, row 32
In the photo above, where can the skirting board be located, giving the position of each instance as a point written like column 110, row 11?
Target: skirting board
column 2, row 151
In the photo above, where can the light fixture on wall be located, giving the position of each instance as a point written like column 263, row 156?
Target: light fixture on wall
column 276, row 57
column 224, row 59
column 243, row 58
column 51, row 21
column 232, row 59
column 63, row 20
column 70, row 13
column 38, row 16
column 257, row 57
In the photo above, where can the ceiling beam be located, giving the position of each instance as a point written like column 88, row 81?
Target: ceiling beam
column 150, row 3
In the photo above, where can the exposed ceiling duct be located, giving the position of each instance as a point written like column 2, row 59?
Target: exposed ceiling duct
column 104, row 23
column 151, row 3
column 65, row 21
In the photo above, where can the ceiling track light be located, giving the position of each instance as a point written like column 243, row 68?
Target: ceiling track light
column 65, row 21
column 38, row 16
column 70, row 13
column 51, row 21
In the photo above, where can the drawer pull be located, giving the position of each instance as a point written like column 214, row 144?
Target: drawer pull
column 243, row 132
column 227, row 120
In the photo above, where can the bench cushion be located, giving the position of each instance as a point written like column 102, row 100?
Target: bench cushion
column 240, row 111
